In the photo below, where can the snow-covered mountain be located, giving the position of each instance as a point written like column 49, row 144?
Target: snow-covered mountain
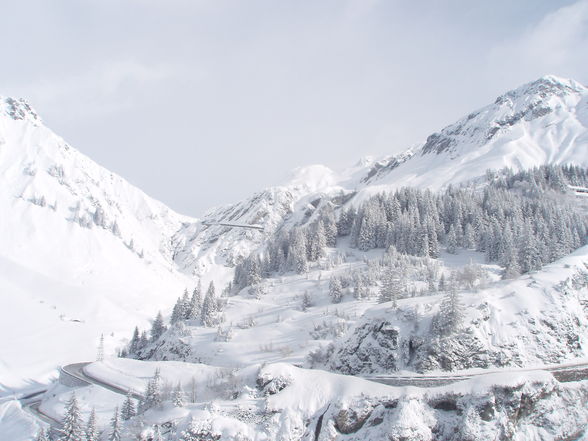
column 83, row 252
column 545, row 121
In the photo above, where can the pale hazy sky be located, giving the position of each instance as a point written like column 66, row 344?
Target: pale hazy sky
column 203, row 102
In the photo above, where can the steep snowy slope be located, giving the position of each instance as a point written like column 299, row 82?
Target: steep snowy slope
column 82, row 252
column 545, row 121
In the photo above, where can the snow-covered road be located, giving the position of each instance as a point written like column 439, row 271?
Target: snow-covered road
column 76, row 372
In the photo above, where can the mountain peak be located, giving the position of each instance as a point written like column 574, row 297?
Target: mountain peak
column 18, row 109
column 542, row 88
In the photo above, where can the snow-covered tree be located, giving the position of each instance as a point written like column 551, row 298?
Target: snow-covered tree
column 152, row 396
column 178, row 396
column 92, row 433
column 196, row 302
column 210, row 307
column 115, row 427
column 317, row 241
column 128, row 407
column 306, row 301
column 451, row 313
column 134, row 344
column 392, row 287
column 157, row 327
column 335, row 289
column 452, row 240
column 72, row 421
column 297, row 255
column 178, row 312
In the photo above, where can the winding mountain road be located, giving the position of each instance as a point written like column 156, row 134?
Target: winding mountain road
column 76, row 372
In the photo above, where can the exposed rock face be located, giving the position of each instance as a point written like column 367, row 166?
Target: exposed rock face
column 533, row 410
column 497, row 331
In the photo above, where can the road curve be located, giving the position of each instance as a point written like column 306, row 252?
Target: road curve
column 77, row 370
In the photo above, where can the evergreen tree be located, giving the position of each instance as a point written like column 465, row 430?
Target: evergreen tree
column 128, row 408
column 509, row 256
column 72, row 421
column 152, row 396
column 450, row 316
column 318, row 242
column 135, row 343
column 115, row 427
column 143, row 340
column 335, row 289
column 297, row 259
column 186, row 305
column 469, row 237
column 178, row 396
column 157, row 328
column 345, row 222
column 330, row 225
column 196, row 301
column 452, row 241
column 210, row 307
column 92, row 433
column 392, row 287
column 177, row 312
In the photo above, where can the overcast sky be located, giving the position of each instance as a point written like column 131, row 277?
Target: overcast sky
column 201, row 103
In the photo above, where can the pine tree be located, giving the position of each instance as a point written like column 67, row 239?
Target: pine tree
column 152, row 396
column 451, row 314
column 72, row 421
column 157, row 328
column 297, row 258
column 143, row 340
column 178, row 396
column 452, row 241
column 318, row 241
column 92, row 428
column 510, row 259
column 135, row 342
column 128, row 408
column 335, row 289
column 210, row 307
column 196, row 302
column 469, row 237
column 328, row 218
column 115, row 427
column 186, row 305
column 392, row 288
column 177, row 312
